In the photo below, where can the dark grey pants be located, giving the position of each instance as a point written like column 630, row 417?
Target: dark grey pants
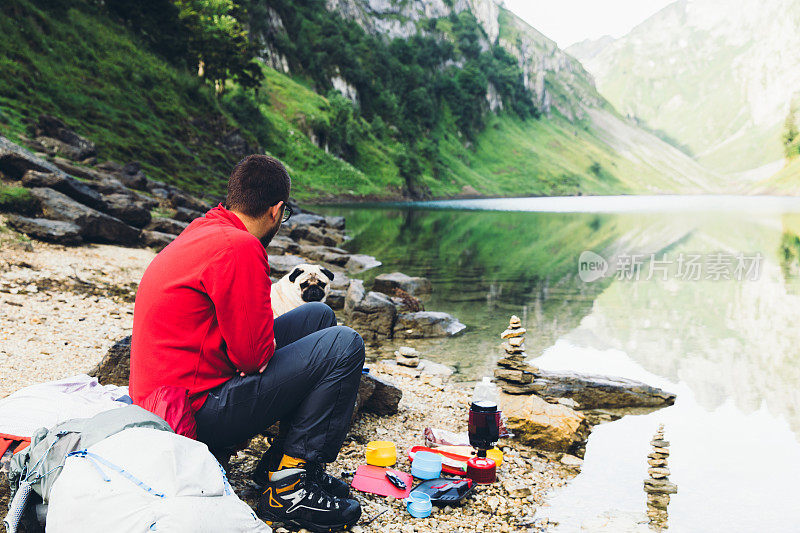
column 309, row 385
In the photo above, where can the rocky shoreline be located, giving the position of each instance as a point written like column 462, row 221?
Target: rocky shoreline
column 68, row 303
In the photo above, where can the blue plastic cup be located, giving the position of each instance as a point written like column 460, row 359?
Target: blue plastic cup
column 426, row 465
column 419, row 504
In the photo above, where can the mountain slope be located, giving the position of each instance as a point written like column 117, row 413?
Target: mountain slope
column 76, row 61
column 582, row 144
column 712, row 77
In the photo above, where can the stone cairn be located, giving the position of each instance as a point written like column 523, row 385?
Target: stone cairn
column 514, row 376
column 658, row 487
column 407, row 356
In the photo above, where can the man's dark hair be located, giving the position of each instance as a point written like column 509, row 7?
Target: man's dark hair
column 257, row 182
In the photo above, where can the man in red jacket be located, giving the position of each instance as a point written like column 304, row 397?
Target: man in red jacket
column 203, row 322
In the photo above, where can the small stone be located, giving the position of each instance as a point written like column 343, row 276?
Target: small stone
column 517, row 489
column 657, row 462
column 660, row 486
column 568, row 402
column 514, row 349
column 571, row 460
column 659, row 501
column 411, row 362
column 516, row 376
column 516, row 332
column 494, row 503
column 662, row 451
column 408, row 351
column 658, row 443
column 516, row 342
column 658, row 472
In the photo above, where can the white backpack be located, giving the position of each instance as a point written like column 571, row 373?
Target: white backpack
column 143, row 480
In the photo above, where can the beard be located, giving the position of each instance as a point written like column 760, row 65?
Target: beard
column 266, row 239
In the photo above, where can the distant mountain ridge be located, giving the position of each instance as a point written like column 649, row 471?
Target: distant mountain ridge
column 714, row 76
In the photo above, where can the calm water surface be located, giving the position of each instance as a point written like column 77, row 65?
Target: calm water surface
column 714, row 316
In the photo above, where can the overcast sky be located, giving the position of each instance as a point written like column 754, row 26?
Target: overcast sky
column 570, row 21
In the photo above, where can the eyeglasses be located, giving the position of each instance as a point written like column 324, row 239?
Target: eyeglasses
column 287, row 212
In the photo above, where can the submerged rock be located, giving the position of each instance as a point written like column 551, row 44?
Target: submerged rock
column 425, row 324
column 361, row 262
column 387, row 283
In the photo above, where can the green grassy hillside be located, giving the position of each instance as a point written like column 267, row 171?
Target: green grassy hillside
column 100, row 77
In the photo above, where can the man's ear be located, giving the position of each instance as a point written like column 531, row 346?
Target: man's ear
column 295, row 273
column 276, row 211
column 327, row 273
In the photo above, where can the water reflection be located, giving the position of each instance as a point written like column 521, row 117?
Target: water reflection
column 729, row 348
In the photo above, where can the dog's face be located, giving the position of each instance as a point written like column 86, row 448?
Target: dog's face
column 313, row 282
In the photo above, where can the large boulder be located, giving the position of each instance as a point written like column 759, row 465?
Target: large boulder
column 326, row 254
column 16, row 160
column 280, row 245
column 592, row 391
column 79, row 171
column 127, row 209
column 156, row 239
column 335, row 222
column 387, row 283
column 280, row 265
column 115, row 367
column 166, row 225
column 95, row 226
column 183, row 214
column 385, row 396
column 178, row 199
column 306, row 219
column 335, row 299
column 315, row 235
column 133, row 177
column 56, row 136
column 542, row 425
column 425, row 324
column 65, row 184
column 57, row 231
column 372, row 314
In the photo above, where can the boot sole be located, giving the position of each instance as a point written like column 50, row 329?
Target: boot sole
column 303, row 524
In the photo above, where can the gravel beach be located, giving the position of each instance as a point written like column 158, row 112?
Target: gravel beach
column 63, row 307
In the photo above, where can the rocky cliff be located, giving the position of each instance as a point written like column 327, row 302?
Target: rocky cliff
column 556, row 80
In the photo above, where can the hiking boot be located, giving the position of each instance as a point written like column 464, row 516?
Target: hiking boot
column 330, row 484
column 271, row 459
column 293, row 498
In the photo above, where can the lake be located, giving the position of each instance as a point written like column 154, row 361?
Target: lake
column 698, row 295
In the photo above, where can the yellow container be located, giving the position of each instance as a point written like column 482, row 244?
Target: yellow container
column 381, row 453
column 495, row 454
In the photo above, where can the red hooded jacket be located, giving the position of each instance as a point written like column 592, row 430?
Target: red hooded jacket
column 202, row 310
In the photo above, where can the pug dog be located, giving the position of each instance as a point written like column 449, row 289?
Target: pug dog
column 305, row 283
